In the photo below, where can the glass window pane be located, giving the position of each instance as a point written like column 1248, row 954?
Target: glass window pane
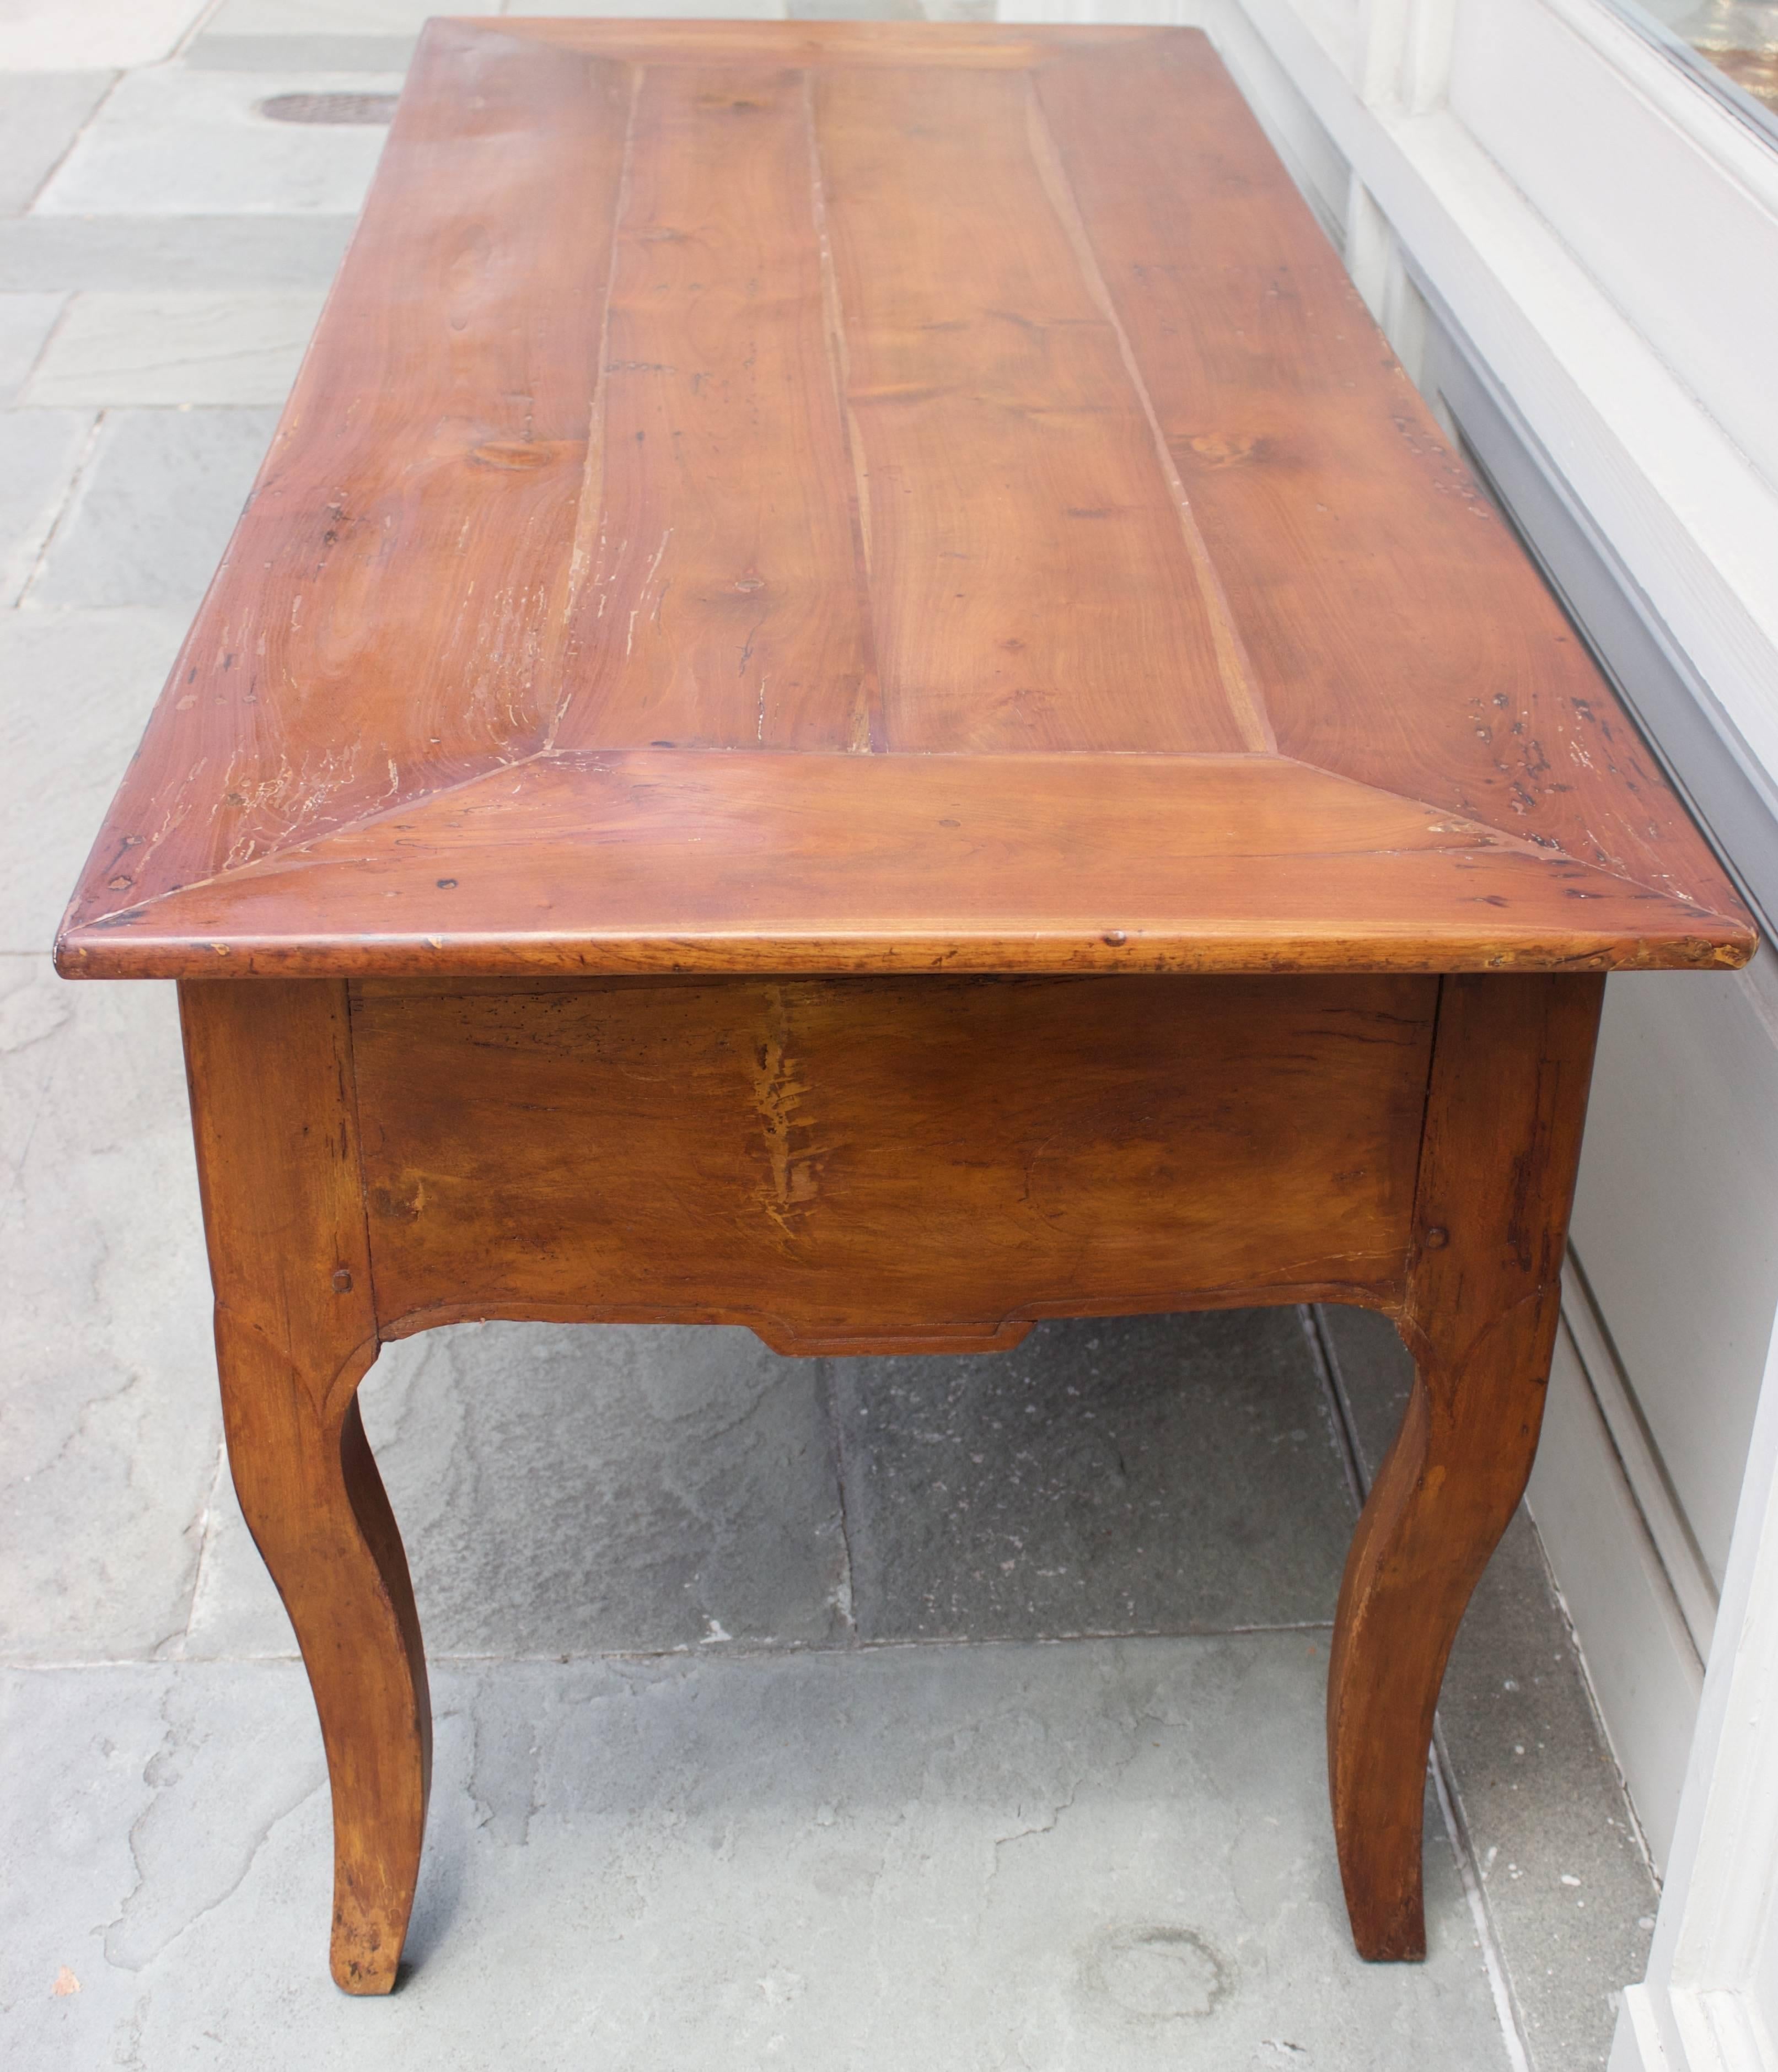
column 1738, row 39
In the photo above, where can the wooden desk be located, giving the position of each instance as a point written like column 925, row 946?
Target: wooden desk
column 857, row 699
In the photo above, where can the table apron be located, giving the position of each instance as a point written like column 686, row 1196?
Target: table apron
column 857, row 1165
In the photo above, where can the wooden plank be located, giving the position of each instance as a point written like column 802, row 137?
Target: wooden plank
column 722, row 604
column 946, row 45
column 388, row 620
column 826, row 1159
column 1030, row 569
column 663, row 861
column 1397, row 633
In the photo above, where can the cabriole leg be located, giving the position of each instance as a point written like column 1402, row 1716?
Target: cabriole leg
column 275, row 1119
column 1512, row 1058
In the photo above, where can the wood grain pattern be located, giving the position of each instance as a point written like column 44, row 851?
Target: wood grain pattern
column 1382, row 599
column 888, row 1162
column 720, row 604
column 1511, row 1063
column 666, row 861
column 813, row 46
column 1031, row 581
column 867, row 394
column 388, row 621
column 275, row 1119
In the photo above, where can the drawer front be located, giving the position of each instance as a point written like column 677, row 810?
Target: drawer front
column 851, row 1163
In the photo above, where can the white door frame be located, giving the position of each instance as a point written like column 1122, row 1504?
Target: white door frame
column 1709, row 2000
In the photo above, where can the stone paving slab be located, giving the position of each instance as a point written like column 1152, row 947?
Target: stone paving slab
column 26, row 321
column 75, row 690
column 44, row 253
column 213, row 346
column 153, row 509
column 40, row 453
column 324, row 18
column 301, row 54
column 107, row 1378
column 1111, row 1855
column 674, row 10
column 573, row 1489
column 1159, row 1474
column 39, row 36
column 179, row 141
column 41, row 113
column 856, row 11
column 1568, row 1887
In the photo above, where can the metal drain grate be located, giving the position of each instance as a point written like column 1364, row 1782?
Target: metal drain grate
column 329, row 108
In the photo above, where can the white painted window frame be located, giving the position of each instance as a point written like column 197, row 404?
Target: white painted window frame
column 1752, row 112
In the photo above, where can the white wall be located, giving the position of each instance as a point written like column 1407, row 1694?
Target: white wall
column 1676, row 1219
column 1670, row 1313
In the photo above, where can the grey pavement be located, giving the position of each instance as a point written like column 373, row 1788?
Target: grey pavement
column 41, row 114
column 1099, row 1431
column 26, row 321
column 111, row 545
column 43, row 37
column 120, row 253
column 1019, row 1856
column 584, row 1491
column 75, row 690
column 177, row 140
column 40, row 456
column 211, row 346
column 846, row 1713
column 318, row 18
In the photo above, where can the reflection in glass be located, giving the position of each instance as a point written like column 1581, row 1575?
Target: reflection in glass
column 1739, row 37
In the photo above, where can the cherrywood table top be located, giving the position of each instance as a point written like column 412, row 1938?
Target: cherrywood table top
column 869, row 497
